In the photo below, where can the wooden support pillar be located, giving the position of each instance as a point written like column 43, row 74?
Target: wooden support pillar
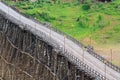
column 55, row 63
column 69, row 72
column 82, row 76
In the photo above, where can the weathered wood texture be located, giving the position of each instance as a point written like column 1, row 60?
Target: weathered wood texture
column 24, row 56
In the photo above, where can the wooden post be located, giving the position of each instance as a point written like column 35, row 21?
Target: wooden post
column 119, row 63
column 50, row 32
column 111, row 54
column 83, row 55
column 35, row 24
column 91, row 36
column 90, row 40
column 64, row 42
column 8, row 10
column 20, row 17
column 105, row 68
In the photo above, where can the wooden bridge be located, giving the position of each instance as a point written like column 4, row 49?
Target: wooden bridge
column 30, row 50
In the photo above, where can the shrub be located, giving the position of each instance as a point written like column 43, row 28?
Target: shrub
column 83, row 22
column 86, row 7
column 99, row 24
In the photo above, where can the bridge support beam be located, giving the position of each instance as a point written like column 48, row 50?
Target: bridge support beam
column 24, row 56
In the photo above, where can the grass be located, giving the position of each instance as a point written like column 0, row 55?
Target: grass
column 91, row 23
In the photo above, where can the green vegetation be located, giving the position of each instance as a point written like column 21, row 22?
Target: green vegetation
column 98, row 20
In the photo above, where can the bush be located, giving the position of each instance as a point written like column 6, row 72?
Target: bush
column 99, row 24
column 86, row 7
column 83, row 22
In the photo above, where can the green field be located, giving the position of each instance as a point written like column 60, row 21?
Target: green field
column 91, row 23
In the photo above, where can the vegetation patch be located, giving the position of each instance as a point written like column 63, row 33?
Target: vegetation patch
column 92, row 21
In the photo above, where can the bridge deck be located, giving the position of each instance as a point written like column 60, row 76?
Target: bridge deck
column 60, row 40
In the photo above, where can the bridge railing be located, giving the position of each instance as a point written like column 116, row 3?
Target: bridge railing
column 114, row 67
column 86, row 68
column 82, row 66
column 91, row 51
